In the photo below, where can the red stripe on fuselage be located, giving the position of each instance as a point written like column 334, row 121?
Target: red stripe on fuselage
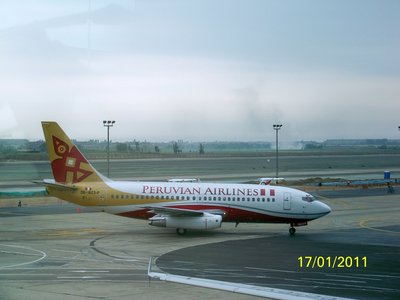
column 232, row 214
column 137, row 214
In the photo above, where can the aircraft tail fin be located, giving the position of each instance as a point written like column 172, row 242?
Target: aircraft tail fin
column 68, row 164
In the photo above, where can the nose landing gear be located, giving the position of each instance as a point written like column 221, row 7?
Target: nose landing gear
column 292, row 230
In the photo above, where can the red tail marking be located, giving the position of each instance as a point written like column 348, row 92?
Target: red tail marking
column 70, row 161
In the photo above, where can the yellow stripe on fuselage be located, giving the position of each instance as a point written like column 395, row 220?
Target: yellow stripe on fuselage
column 99, row 194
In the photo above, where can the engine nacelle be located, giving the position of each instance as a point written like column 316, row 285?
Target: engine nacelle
column 205, row 222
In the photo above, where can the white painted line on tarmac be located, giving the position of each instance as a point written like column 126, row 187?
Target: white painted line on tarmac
column 246, row 289
column 80, row 277
column 43, row 256
column 243, row 288
column 89, row 271
column 68, row 251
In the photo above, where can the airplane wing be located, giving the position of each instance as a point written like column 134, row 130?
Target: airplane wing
column 180, row 212
column 57, row 185
column 176, row 212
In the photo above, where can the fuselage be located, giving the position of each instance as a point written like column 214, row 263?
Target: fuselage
column 235, row 202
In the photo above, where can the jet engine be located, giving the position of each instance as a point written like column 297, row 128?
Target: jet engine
column 205, row 222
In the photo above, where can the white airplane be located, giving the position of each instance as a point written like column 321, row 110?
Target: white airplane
column 177, row 204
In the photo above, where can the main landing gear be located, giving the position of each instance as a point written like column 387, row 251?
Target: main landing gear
column 180, row 231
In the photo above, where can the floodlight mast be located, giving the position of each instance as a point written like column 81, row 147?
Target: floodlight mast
column 108, row 124
column 277, row 127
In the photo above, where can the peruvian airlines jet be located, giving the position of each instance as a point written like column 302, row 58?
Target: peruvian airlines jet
column 177, row 204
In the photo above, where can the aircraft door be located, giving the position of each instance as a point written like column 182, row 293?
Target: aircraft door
column 287, row 201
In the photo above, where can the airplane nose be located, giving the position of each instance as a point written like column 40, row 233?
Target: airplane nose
column 324, row 209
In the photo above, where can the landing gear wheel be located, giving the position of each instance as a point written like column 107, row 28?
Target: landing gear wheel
column 181, row 231
column 292, row 230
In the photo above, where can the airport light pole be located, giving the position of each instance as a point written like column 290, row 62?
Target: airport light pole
column 277, row 127
column 108, row 124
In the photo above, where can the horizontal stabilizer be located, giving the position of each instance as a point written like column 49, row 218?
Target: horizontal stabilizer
column 57, row 185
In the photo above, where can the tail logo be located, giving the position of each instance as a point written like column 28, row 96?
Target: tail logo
column 71, row 166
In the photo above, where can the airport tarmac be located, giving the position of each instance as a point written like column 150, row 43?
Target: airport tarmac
column 53, row 252
column 88, row 256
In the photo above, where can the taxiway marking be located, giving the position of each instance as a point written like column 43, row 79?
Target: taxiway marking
column 44, row 255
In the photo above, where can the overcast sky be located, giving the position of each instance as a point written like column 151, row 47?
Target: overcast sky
column 201, row 70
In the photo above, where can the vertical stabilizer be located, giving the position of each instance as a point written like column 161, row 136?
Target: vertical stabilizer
column 68, row 164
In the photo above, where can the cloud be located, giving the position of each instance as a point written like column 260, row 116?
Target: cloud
column 164, row 98
column 8, row 121
column 180, row 77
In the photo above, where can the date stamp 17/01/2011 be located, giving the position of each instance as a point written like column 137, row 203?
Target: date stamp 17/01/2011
column 332, row 262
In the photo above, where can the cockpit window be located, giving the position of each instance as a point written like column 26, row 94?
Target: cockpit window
column 308, row 198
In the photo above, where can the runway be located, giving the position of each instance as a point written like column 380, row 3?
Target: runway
column 235, row 169
column 94, row 255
